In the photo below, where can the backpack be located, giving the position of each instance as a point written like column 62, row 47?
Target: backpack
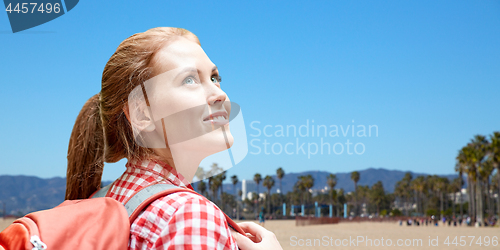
column 97, row 223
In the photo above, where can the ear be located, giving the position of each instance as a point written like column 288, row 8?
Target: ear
column 139, row 116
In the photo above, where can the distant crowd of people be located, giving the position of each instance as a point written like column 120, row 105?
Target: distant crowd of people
column 433, row 220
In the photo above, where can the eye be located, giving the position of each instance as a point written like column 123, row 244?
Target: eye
column 216, row 79
column 189, row 80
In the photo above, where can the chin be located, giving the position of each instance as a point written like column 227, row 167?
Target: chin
column 209, row 143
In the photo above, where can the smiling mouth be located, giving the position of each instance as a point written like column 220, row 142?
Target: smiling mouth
column 218, row 118
column 215, row 118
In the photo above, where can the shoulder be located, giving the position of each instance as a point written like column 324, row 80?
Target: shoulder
column 185, row 202
column 187, row 216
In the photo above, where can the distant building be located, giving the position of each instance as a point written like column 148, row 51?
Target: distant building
column 243, row 189
column 460, row 197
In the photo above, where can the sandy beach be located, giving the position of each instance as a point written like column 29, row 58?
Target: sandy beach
column 5, row 223
column 368, row 235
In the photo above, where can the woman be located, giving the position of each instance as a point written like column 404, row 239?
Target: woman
column 162, row 108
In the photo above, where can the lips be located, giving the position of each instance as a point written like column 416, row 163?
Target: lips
column 218, row 118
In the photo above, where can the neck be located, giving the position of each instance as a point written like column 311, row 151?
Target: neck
column 183, row 161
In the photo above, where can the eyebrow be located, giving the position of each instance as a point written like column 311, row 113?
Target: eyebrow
column 194, row 70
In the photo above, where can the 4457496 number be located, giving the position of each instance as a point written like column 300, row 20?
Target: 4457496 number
column 25, row 8
column 472, row 240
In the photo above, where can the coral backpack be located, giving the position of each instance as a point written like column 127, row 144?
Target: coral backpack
column 97, row 223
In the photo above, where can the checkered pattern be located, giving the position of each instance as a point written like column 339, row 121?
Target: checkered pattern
column 177, row 221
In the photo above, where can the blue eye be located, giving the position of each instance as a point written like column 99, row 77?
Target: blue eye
column 216, row 79
column 189, row 80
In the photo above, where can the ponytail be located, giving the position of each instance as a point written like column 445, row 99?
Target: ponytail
column 85, row 152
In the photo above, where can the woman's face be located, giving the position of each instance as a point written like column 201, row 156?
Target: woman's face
column 187, row 103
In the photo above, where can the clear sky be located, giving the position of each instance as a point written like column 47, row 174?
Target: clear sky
column 425, row 73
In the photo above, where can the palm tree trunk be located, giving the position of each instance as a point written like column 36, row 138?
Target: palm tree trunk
column 470, row 191
column 407, row 200
column 474, row 202
column 355, row 199
column 268, row 198
column 416, row 200
column 422, row 201
column 488, row 198
column 461, row 204
column 281, row 189
column 498, row 194
column 445, row 200
column 479, row 202
column 441, row 205
column 421, row 194
column 280, row 194
column 453, row 204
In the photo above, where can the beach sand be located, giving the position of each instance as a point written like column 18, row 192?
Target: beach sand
column 293, row 237
column 417, row 237
column 5, row 223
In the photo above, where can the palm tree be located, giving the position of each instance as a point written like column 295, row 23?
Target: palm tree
column 202, row 187
column 479, row 145
column 431, row 191
column 332, row 182
column 280, row 173
column 455, row 186
column 495, row 183
column 222, row 177
column 234, row 180
column 469, row 157
column 355, row 178
column 460, row 168
column 441, row 187
column 300, row 187
column 362, row 196
column 257, row 178
column 303, row 184
column 268, row 183
column 464, row 165
column 308, row 181
column 213, row 186
column 402, row 190
column 341, row 199
column 485, row 173
column 377, row 195
column 200, row 175
column 334, row 197
column 494, row 155
column 418, row 186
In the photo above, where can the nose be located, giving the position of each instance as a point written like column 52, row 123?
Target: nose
column 216, row 96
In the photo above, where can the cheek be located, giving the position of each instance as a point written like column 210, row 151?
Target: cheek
column 170, row 106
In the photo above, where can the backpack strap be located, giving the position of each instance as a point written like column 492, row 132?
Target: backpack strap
column 102, row 192
column 140, row 200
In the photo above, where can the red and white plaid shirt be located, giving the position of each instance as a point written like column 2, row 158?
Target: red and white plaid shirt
column 180, row 220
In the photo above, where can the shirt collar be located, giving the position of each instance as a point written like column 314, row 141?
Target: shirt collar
column 162, row 169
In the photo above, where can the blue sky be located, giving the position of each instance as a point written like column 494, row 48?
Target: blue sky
column 426, row 73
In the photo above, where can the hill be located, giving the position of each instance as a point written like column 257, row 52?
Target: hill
column 24, row 194
column 368, row 177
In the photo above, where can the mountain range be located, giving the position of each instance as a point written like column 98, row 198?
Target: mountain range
column 24, row 194
column 368, row 177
